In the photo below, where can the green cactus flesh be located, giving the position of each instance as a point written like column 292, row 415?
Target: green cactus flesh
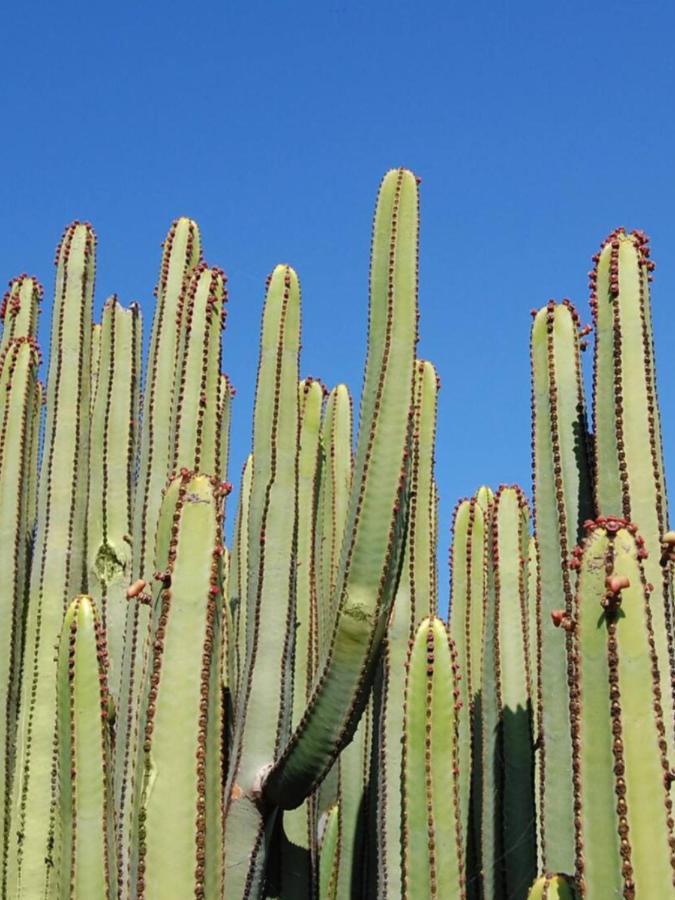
column 563, row 500
column 433, row 864
column 85, row 820
column 623, row 807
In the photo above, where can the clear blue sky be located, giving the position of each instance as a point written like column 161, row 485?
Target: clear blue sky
column 535, row 127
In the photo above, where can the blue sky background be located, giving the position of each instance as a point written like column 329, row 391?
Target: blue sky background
column 535, row 127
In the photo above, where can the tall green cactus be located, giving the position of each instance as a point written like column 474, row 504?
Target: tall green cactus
column 432, row 840
column 263, row 710
column 248, row 726
column 563, row 500
column 625, row 840
column 19, row 421
column 58, row 569
column 178, row 815
column 629, row 471
column 415, row 599
column 85, row 821
column 508, row 844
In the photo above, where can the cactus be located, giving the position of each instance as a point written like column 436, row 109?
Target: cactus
column 58, row 568
column 563, row 500
column 629, row 472
column 179, row 778
column 623, row 808
column 433, row 862
column 415, row 599
column 289, row 718
column 85, row 822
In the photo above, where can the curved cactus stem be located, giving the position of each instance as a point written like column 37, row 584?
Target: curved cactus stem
column 553, row 887
column 468, row 593
column 329, row 854
column 58, row 564
column 197, row 423
column 88, row 863
column 629, row 474
column 371, row 551
column 415, row 598
column 178, row 814
column 264, row 699
column 433, row 843
column 19, row 411
column 563, row 501
column 622, row 797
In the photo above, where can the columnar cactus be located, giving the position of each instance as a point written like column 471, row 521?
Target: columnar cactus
column 625, row 840
column 58, row 568
column 88, row 864
column 290, row 718
column 563, row 500
column 433, row 843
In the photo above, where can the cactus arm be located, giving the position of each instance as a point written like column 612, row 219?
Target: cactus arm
column 111, row 477
column 468, row 592
column 415, row 599
column 489, row 708
column 181, row 253
column 433, row 853
column 111, row 483
column 85, row 808
column 197, row 425
column 264, row 698
column 629, row 461
column 58, row 563
column 299, row 825
column 625, row 833
column 374, row 535
column 177, row 846
column 19, row 310
column 597, row 841
column 510, row 530
column 563, row 500
column 333, row 503
column 19, row 363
